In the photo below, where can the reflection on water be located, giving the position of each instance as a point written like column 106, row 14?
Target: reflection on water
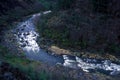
column 27, row 36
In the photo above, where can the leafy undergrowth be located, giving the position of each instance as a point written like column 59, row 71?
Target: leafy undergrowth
column 35, row 70
column 26, row 66
column 79, row 29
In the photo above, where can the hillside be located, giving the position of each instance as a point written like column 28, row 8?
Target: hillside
column 78, row 25
column 59, row 39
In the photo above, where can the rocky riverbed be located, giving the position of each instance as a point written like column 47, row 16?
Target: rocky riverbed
column 27, row 40
column 26, row 36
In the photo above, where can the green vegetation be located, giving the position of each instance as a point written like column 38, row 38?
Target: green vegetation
column 100, row 5
column 57, row 28
column 71, row 25
column 16, row 12
column 65, row 4
column 48, row 4
column 35, row 70
column 57, row 4
column 78, row 28
column 25, row 65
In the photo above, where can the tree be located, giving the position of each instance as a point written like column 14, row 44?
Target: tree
column 65, row 4
column 100, row 5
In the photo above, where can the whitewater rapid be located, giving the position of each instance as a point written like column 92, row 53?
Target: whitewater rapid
column 27, row 39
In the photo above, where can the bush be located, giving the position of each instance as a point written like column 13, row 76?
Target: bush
column 65, row 4
column 100, row 5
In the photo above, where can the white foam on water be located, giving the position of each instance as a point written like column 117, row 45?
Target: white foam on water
column 89, row 64
column 27, row 36
column 46, row 12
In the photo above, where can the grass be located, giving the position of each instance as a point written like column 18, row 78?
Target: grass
column 35, row 70
column 25, row 65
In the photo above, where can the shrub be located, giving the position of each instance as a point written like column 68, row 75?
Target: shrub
column 65, row 4
column 100, row 5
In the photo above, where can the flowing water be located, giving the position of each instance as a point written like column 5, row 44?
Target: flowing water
column 26, row 36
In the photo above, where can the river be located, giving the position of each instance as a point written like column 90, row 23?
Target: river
column 26, row 35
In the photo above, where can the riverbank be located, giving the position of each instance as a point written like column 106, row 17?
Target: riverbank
column 51, row 47
column 74, row 73
column 36, row 70
column 55, row 50
column 60, row 33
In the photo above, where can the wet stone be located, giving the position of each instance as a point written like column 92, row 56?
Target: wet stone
column 21, row 41
column 27, row 36
column 23, row 45
column 34, row 35
column 24, row 25
column 17, row 30
column 19, row 34
column 22, row 29
column 26, row 42
column 27, row 33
